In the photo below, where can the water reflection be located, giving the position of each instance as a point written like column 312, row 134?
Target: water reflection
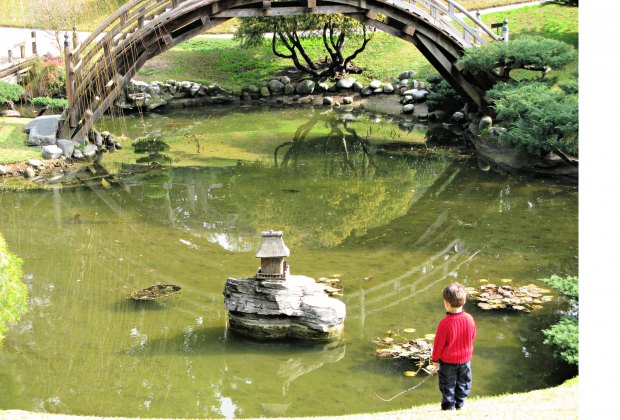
column 396, row 229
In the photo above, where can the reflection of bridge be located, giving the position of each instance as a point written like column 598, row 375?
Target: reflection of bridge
column 448, row 255
column 100, row 67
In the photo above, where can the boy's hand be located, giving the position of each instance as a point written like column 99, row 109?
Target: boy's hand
column 433, row 367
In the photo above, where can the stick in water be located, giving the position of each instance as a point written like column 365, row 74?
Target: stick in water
column 403, row 392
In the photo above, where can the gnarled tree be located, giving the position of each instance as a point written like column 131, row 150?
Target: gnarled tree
column 294, row 36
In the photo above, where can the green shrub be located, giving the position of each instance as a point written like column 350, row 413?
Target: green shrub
column 570, row 87
column 13, row 291
column 568, row 286
column 442, row 96
column 45, row 78
column 536, row 117
column 527, row 52
column 564, row 336
column 55, row 103
column 10, row 92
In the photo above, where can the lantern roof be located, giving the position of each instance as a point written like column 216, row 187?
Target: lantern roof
column 272, row 246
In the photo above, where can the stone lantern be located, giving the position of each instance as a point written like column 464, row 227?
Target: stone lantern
column 272, row 252
column 275, row 304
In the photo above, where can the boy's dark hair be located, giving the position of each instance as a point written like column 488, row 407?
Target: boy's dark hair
column 455, row 294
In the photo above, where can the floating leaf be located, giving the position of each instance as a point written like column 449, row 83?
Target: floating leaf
column 409, row 330
column 518, row 307
column 506, row 280
column 411, row 373
column 429, row 337
column 483, row 281
column 485, row 306
column 388, row 339
column 367, row 278
column 336, row 276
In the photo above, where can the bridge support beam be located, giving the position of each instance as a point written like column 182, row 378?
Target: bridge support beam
column 448, row 71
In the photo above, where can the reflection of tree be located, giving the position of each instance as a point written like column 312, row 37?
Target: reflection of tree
column 341, row 144
column 152, row 145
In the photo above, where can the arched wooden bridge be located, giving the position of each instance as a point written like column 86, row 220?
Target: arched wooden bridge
column 100, row 67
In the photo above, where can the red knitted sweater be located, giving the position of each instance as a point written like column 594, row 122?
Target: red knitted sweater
column 454, row 340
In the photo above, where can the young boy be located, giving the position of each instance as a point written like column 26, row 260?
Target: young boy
column 453, row 348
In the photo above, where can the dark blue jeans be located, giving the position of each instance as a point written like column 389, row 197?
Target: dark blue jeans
column 454, row 384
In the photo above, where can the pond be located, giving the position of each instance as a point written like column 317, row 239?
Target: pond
column 396, row 229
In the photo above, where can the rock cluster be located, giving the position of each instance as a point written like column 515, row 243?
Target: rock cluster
column 150, row 96
column 42, row 132
column 410, row 89
column 297, row 307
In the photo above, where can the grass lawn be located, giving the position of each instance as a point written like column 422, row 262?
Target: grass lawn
column 559, row 403
column 13, row 141
column 207, row 60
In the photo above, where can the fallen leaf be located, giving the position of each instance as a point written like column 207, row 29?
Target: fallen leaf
column 411, row 373
column 409, row 330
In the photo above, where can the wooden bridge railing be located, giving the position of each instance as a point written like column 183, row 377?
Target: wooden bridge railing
column 101, row 65
column 18, row 62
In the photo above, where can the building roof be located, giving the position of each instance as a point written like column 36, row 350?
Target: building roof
column 272, row 246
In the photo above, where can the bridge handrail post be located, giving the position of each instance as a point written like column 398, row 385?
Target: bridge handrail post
column 475, row 19
column 33, row 35
column 76, row 39
column 505, row 31
column 69, row 86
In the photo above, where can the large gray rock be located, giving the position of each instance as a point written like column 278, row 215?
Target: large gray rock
column 297, row 307
column 289, row 89
column 328, row 100
column 42, row 130
column 407, row 109
column 458, row 116
column 407, row 74
column 35, row 162
column 264, row 92
column 51, row 151
column 347, row 100
column 285, row 80
column 375, row 84
column 276, row 87
column 29, row 172
column 10, row 113
column 154, row 102
column 485, row 122
column 357, row 87
column 89, row 150
column 322, row 87
column 366, row 92
column 67, row 147
column 305, row 87
column 388, row 88
column 3, row 170
column 139, row 99
column 346, row 83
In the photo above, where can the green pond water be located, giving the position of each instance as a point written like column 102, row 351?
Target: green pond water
column 396, row 230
